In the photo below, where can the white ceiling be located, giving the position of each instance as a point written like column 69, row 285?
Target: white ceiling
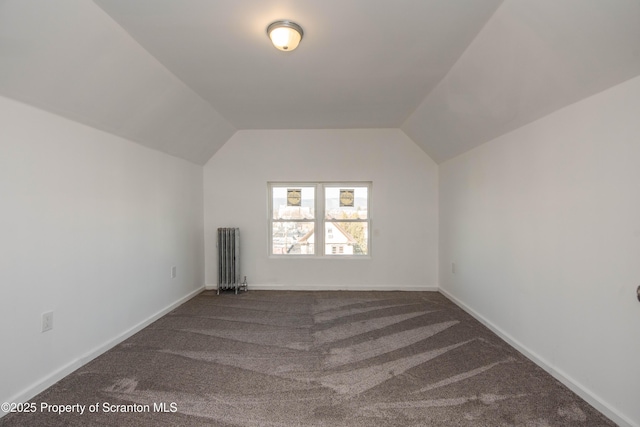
column 183, row 76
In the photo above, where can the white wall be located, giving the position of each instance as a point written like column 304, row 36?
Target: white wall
column 404, row 206
column 90, row 225
column 543, row 225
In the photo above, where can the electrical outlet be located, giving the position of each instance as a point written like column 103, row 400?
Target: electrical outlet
column 173, row 272
column 453, row 268
column 47, row 321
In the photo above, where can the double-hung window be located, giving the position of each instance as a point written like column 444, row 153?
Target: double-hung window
column 319, row 219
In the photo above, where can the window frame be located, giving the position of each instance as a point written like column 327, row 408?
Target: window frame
column 319, row 218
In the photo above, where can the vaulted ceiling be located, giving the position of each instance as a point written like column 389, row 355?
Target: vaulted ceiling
column 183, row 76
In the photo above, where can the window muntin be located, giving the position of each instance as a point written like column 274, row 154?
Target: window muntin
column 341, row 210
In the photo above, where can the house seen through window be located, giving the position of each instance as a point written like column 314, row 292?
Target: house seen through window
column 339, row 210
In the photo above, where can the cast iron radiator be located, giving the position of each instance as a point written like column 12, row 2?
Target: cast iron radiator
column 229, row 260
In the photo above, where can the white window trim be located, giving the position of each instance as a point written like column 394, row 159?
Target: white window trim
column 319, row 220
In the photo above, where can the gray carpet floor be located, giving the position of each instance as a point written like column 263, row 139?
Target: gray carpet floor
column 267, row 358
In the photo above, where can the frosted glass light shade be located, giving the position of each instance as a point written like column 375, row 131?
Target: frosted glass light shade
column 285, row 35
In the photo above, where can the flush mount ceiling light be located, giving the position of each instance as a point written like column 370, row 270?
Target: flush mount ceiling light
column 285, row 35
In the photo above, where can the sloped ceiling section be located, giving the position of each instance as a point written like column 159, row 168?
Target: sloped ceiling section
column 182, row 76
column 531, row 59
column 72, row 59
column 361, row 63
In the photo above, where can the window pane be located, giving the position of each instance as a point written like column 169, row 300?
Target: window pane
column 346, row 238
column 346, row 202
column 296, row 202
column 292, row 238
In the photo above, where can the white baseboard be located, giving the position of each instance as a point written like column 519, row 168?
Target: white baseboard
column 558, row 374
column 59, row 374
column 340, row 287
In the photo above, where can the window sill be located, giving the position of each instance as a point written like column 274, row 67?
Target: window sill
column 322, row 257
